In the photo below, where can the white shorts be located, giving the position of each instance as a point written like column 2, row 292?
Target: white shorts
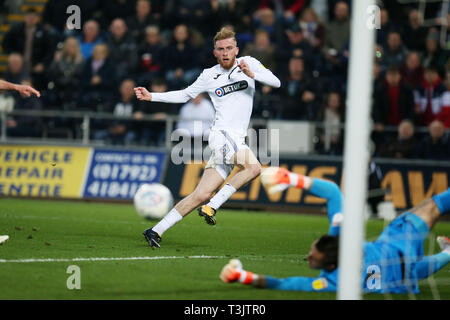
column 224, row 145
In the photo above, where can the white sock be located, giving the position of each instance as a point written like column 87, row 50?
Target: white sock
column 168, row 221
column 223, row 195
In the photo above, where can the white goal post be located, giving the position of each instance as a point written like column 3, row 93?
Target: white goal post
column 356, row 149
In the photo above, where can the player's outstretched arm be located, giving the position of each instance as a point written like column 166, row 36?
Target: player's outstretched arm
column 22, row 89
column 233, row 272
column 429, row 265
column 176, row 96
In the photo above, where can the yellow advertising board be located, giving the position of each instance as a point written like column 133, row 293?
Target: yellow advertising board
column 43, row 171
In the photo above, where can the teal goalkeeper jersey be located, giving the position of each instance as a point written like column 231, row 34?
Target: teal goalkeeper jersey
column 394, row 263
column 378, row 275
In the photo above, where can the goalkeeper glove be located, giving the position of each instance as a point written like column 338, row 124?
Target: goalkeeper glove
column 233, row 272
column 279, row 179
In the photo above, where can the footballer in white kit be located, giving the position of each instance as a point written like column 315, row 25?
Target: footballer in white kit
column 231, row 87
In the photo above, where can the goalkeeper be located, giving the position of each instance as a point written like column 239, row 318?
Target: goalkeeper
column 394, row 263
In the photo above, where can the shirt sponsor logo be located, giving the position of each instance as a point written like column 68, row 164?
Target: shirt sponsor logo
column 237, row 86
column 320, row 284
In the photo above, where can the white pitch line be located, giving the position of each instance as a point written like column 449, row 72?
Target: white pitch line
column 33, row 260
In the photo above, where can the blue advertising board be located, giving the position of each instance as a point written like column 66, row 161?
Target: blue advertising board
column 115, row 174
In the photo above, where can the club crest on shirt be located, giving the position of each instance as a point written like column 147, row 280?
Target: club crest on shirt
column 237, row 86
column 225, row 149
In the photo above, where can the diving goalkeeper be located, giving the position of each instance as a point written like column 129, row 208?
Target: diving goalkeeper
column 394, row 263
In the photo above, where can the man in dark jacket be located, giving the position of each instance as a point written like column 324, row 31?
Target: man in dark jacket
column 123, row 49
column 34, row 43
column 299, row 93
column 435, row 146
column 98, row 81
column 393, row 101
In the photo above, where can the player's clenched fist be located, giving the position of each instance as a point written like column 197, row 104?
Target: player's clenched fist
column 246, row 69
column 142, row 94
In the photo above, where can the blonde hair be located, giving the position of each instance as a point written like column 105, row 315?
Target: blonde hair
column 78, row 56
column 224, row 33
column 312, row 12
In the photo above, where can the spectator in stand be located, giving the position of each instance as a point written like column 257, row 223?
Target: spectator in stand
column 288, row 8
column 444, row 115
column 312, row 28
column 24, row 126
column 298, row 93
column 65, row 74
column 293, row 45
column 265, row 19
column 236, row 13
column 121, row 131
column 335, row 50
column 435, row 146
column 151, row 55
column 179, row 61
column 393, row 102
column 34, row 43
column 144, row 17
column 97, row 81
column 412, row 70
column 195, row 14
column 429, row 97
column 394, row 52
column 262, row 49
column 112, row 9
column 377, row 75
column 386, row 26
column 123, row 49
column 414, row 33
column 337, row 33
column 332, row 117
column 403, row 146
column 155, row 132
column 285, row 10
column 434, row 55
column 196, row 117
column 16, row 72
column 90, row 38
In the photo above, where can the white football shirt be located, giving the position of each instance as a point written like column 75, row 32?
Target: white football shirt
column 231, row 93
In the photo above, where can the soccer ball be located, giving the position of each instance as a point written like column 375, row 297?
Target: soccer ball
column 152, row 201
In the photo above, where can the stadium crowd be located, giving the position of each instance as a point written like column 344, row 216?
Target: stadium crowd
column 164, row 45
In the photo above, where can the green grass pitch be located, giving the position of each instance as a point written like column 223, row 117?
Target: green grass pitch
column 186, row 267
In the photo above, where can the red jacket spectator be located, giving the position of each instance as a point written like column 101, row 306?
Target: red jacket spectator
column 429, row 97
column 294, row 6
